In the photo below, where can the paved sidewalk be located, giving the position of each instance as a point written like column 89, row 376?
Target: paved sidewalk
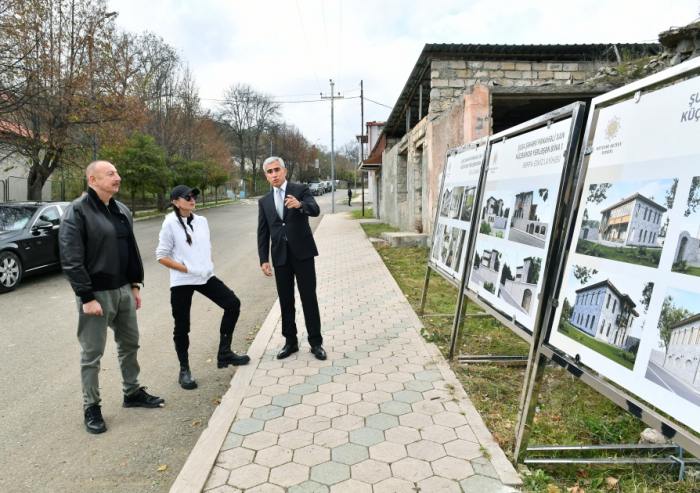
column 384, row 413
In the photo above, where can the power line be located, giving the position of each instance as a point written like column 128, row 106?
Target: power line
column 380, row 104
column 308, row 49
column 280, row 102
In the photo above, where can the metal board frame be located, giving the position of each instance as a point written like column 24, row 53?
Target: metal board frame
column 544, row 350
column 575, row 111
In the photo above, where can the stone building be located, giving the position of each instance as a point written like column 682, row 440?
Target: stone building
column 487, row 268
column 458, row 93
column 589, row 233
column 494, row 213
column 601, row 311
column 519, row 292
column 525, row 217
column 688, row 249
column 683, row 354
column 633, row 221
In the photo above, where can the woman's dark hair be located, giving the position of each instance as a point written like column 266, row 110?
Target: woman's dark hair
column 179, row 217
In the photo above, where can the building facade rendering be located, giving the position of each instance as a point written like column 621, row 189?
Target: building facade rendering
column 601, row 311
column 525, row 216
column 519, row 292
column 494, row 213
column 683, row 355
column 633, row 221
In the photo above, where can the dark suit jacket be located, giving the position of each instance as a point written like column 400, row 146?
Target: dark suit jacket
column 294, row 226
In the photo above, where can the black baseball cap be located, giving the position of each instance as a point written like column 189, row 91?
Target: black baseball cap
column 182, row 191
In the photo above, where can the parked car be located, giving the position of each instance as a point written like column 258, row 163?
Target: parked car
column 316, row 188
column 28, row 240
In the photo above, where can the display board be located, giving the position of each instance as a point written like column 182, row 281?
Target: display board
column 455, row 209
column 629, row 290
column 525, row 177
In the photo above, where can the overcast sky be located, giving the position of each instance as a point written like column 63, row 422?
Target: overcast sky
column 293, row 47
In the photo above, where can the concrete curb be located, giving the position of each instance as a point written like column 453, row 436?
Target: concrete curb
column 194, row 474
column 146, row 218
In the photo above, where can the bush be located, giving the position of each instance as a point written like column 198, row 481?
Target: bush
column 485, row 228
column 655, row 255
column 488, row 286
column 499, row 234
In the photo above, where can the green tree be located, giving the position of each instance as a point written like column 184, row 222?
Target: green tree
column 140, row 163
column 566, row 310
column 506, row 274
column 670, row 315
column 583, row 274
column 533, row 274
column 671, row 194
column 214, row 176
column 646, row 295
column 544, row 194
column 598, row 193
column 693, row 197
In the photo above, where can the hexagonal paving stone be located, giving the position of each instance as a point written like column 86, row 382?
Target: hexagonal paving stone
column 428, row 407
column 300, row 411
column 332, row 388
column 317, row 399
column 235, row 458
column 247, row 426
column 400, row 377
column 314, row 423
column 361, row 387
column 377, row 397
column 281, row 425
column 289, row 474
column 248, row 476
column 418, row 386
column 347, row 397
column 346, row 378
column 438, row 434
column 429, row 375
column 331, row 438
column 350, row 454
column 402, row 435
column 332, row 370
column 482, row 483
column 273, row 456
column 296, row 439
column 347, row 422
column 395, row 408
column 451, row 420
column 373, row 377
column 257, row 401
column 332, row 409
column 466, row 433
column 359, row 370
column 309, row 487
column 330, row 473
column 389, row 386
column 370, row 471
column 351, row 486
column 366, row 436
column 312, row 455
column 382, row 421
column 363, row 409
column 440, row 484
column 286, row 400
column 411, row 469
column 307, row 371
column 426, row 450
column 387, row 452
column 280, row 372
column 268, row 412
column 356, row 355
column 233, row 440
column 463, row 449
column 303, row 388
column 217, row 477
column 394, row 485
column 319, row 379
column 263, row 381
column 367, row 348
column 452, row 468
column 407, row 396
column 260, row 440
column 274, row 390
column 265, row 488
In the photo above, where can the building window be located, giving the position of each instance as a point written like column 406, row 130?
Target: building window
column 602, row 327
column 608, row 304
column 587, row 318
column 607, row 334
column 592, row 322
column 614, row 305
column 697, row 339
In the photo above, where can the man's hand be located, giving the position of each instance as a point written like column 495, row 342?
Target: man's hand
column 292, row 203
column 92, row 308
column 267, row 270
column 137, row 297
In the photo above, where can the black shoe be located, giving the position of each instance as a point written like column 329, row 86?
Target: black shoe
column 141, row 398
column 319, row 352
column 231, row 358
column 93, row 420
column 185, row 379
column 288, row 350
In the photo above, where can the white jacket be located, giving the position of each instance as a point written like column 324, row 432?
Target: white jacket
column 197, row 257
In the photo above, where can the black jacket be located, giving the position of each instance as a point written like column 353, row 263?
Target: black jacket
column 89, row 248
column 294, row 226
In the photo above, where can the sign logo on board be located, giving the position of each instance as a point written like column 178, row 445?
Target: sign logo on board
column 495, row 157
column 612, row 129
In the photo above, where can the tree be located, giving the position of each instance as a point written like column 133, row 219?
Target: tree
column 214, row 176
column 693, row 197
column 583, row 274
column 566, row 310
column 664, row 228
column 533, row 275
column 598, row 193
column 671, row 194
column 670, row 315
column 477, row 260
column 585, row 218
column 506, row 274
column 646, row 295
column 497, row 262
column 544, row 194
column 139, row 163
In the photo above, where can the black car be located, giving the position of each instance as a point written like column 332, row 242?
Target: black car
column 28, row 240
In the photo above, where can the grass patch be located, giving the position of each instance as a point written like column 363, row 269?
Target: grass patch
column 357, row 214
column 375, row 230
column 648, row 257
column 682, row 268
column 619, row 356
column 570, row 412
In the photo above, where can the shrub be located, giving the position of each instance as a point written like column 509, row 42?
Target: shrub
column 488, row 286
column 499, row 234
column 485, row 228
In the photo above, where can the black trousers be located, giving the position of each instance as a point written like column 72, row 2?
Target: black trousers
column 305, row 273
column 181, row 301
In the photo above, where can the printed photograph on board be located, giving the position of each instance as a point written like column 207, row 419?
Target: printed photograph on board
column 495, row 213
column 458, row 250
column 467, row 204
column 627, row 222
column 518, row 281
column 455, row 203
column 437, row 248
column 686, row 259
column 487, row 263
column 531, row 218
column 448, row 245
column 446, row 202
column 606, row 314
column 674, row 363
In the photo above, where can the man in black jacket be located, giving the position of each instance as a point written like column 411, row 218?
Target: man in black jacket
column 101, row 261
column 283, row 217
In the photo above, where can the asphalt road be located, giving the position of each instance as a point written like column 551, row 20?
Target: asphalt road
column 524, row 238
column 663, row 378
column 43, row 443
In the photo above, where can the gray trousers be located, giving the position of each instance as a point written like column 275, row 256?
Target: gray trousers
column 119, row 313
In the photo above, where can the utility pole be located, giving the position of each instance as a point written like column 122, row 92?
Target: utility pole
column 362, row 142
column 332, row 97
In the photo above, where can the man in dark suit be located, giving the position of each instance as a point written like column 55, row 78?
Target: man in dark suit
column 283, row 217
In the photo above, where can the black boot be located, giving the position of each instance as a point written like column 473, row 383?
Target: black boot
column 227, row 357
column 185, row 379
column 93, row 420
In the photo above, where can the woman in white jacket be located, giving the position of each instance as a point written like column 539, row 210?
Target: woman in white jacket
column 185, row 248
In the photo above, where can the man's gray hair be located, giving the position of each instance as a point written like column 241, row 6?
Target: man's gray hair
column 273, row 159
